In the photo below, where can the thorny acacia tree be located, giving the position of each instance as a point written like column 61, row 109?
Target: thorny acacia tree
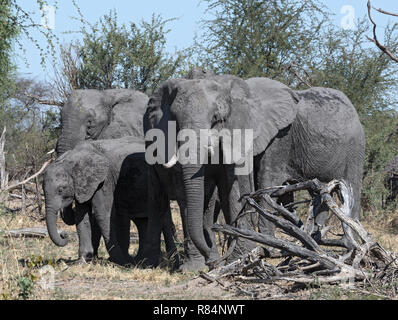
column 117, row 56
column 259, row 38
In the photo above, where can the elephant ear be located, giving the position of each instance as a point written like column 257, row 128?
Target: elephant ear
column 160, row 102
column 263, row 105
column 89, row 171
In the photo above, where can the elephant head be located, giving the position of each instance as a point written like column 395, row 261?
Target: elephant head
column 75, row 175
column 217, row 103
column 92, row 114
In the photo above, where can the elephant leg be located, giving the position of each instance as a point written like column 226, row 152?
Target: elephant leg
column 122, row 225
column 230, row 191
column 95, row 234
column 104, row 214
column 152, row 250
column 168, row 234
column 209, row 221
column 273, row 170
column 142, row 226
column 193, row 260
column 84, row 232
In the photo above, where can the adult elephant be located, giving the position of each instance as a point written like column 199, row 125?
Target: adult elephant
column 101, row 114
column 107, row 178
column 91, row 114
column 296, row 135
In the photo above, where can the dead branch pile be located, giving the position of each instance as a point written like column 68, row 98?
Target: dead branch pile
column 358, row 258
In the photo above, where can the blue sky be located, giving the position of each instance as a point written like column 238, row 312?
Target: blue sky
column 188, row 12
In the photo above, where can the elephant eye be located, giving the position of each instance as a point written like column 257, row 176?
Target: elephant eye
column 60, row 190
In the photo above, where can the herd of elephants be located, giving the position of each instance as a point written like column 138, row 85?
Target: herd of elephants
column 101, row 180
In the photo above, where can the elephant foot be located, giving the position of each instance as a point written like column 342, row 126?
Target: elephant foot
column 85, row 258
column 122, row 261
column 193, row 259
column 191, row 265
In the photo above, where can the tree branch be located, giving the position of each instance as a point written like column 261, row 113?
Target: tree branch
column 386, row 12
column 375, row 40
column 28, row 179
column 44, row 101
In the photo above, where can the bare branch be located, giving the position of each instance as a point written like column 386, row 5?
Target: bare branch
column 306, row 261
column 292, row 68
column 375, row 40
column 3, row 173
column 28, row 179
column 386, row 12
column 44, row 101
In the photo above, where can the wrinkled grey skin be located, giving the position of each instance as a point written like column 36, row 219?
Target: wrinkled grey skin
column 169, row 181
column 297, row 136
column 107, row 179
column 99, row 114
column 325, row 141
column 391, row 180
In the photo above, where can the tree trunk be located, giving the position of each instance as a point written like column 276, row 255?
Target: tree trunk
column 3, row 173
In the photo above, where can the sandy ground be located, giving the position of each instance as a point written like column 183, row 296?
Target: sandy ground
column 22, row 261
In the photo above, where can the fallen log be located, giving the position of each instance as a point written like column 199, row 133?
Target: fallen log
column 26, row 233
column 307, row 260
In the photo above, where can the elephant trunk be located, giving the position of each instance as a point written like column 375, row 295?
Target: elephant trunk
column 51, row 221
column 70, row 134
column 193, row 178
column 65, row 141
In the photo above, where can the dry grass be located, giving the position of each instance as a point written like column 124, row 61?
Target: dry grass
column 21, row 260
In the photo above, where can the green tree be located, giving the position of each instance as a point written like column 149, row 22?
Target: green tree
column 258, row 38
column 8, row 34
column 118, row 56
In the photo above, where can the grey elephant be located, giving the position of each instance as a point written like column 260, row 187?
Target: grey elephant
column 302, row 135
column 107, row 179
column 99, row 114
column 391, row 180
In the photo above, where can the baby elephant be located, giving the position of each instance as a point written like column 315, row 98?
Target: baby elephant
column 108, row 181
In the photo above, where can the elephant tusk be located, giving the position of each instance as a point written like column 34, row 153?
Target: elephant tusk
column 172, row 162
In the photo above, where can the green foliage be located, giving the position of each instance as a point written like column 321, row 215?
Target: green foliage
column 26, row 24
column 120, row 56
column 258, row 38
column 26, row 286
column 8, row 33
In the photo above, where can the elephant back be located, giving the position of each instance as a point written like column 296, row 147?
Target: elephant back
column 325, row 133
column 127, row 114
